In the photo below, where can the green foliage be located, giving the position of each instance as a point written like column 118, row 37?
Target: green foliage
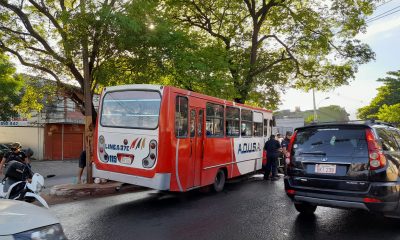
column 37, row 94
column 242, row 50
column 332, row 113
column 272, row 44
column 388, row 94
column 165, row 54
column 390, row 113
column 10, row 89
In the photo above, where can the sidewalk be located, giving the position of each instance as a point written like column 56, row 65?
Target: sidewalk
column 63, row 188
column 65, row 172
column 71, row 192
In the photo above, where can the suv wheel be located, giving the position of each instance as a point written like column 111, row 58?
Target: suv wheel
column 305, row 208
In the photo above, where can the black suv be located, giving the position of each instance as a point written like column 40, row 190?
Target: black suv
column 345, row 165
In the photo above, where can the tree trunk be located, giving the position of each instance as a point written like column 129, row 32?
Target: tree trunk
column 87, row 86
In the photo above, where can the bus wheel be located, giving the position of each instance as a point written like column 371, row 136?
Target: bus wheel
column 219, row 181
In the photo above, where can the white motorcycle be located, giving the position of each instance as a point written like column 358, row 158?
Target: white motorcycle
column 23, row 190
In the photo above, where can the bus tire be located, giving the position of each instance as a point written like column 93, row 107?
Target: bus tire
column 219, row 181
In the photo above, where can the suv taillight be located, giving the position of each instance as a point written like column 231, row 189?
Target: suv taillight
column 289, row 148
column 377, row 159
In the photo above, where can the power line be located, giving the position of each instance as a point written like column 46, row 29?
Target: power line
column 384, row 14
column 380, row 5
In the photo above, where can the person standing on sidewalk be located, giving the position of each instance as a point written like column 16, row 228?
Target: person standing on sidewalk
column 273, row 149
column 82, row 165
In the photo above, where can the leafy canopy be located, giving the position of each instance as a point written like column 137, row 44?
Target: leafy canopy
column 274, row 44
column 388, row 95
column 10, row 89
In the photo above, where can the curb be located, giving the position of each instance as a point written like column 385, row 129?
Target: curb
column 83, row 190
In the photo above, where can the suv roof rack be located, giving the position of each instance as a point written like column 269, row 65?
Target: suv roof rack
column 367, row 122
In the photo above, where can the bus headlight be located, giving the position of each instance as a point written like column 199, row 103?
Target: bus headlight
column 150, row 160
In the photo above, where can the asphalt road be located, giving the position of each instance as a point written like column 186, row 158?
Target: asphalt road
column 250, row 209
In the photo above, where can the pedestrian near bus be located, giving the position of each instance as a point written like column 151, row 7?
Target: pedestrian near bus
column 273, row 149
column 279, row 138
column 82, row 165
column 284, row 145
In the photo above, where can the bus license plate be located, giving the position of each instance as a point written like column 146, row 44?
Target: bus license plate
column 325, row 168
column 126, row 160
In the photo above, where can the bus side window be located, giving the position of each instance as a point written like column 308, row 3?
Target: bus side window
column 246, row 123
column 265, row 127
column 192, row 122
column 214, row 120
column 258, row 124
column 232, row 122
column 200, row 124
column 181, row 117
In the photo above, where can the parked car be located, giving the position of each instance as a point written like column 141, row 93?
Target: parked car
column 21, row 220
column 352, row 165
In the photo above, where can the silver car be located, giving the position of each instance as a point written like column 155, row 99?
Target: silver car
column 21, row 220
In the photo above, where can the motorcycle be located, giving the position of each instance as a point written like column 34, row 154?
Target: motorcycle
column 27, row 191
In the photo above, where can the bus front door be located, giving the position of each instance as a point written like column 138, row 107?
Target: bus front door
column 197, row 144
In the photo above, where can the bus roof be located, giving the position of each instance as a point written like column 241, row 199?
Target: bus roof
column 184, row 92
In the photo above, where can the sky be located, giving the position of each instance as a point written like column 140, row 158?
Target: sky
column 383, row 36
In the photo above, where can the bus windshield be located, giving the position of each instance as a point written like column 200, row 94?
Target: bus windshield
column 131, row 109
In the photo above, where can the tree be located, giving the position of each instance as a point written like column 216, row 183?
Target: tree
column 332, row 113
column 85, row 45
column 67, row 40
column 10, row 89
column 166, row 54
column 275, row 43
column 325, row 114
column 390, row 113
column 388, row 94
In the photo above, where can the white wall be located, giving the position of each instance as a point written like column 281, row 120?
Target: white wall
column 29, row 137
column 289, row 122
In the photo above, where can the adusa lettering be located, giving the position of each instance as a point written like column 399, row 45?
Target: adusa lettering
column 249, row 147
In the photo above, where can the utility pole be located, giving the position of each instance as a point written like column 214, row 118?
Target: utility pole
column 315, row 107
column 88, row 101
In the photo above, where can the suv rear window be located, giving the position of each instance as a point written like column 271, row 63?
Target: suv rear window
column 331, row 141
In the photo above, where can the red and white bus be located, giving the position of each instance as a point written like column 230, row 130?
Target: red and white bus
column 168, row 138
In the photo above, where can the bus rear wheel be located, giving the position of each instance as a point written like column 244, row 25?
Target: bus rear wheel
column 219, row 181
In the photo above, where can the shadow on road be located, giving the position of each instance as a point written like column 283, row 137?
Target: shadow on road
column 344, row 224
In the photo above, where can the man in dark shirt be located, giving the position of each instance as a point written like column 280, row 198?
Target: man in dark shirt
column 14, row 155
column 284, row 145
column 273, row 149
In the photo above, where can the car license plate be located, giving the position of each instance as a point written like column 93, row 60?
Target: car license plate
column 126, row 160
column 325, row 168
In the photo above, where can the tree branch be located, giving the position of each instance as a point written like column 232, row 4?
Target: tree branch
column 62, row 5
column 25, row 20
column 13, row 31
column 289, row 52
column 28, row 64
column 51, row 18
